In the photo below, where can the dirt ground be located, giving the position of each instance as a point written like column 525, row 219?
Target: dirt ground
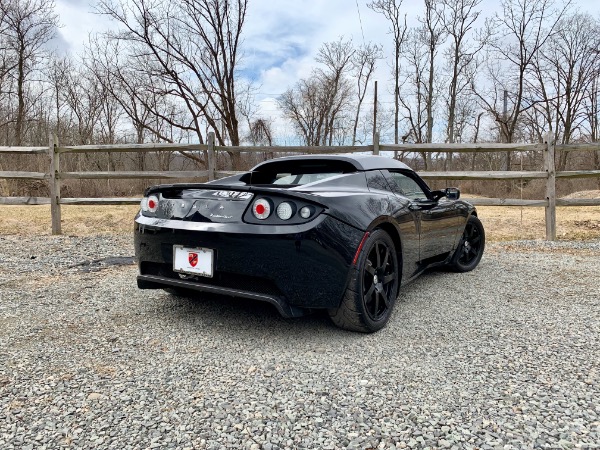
column 501, row 223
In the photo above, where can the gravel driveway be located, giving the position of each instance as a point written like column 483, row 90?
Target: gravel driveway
column 505, row 357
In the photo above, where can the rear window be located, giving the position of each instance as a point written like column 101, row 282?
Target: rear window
column 303, row 178
column 296, row 172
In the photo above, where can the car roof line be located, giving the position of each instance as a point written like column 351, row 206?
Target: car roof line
column 360, row 162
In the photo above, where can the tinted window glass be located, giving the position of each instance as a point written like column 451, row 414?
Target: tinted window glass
column 296, row 172
column 376, row 180
column 406, row 186
column 303, row 178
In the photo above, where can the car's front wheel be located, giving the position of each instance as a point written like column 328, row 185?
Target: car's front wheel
column 470, row 248
column 373, row 287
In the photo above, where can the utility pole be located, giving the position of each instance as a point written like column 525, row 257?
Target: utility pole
column 504, row 130
column 375, row 111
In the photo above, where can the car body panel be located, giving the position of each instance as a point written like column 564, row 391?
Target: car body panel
column 269, row 259
column 302, row 264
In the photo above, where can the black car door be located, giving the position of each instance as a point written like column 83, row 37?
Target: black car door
column 406, row 221
column 438, row 219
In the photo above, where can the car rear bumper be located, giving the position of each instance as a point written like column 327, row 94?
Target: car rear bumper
column 293, row 267
column 161, row 282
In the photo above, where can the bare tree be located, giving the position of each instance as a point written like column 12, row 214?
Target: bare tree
column 458, row 18
column 189, row 51
column 312, row 109
column 414, row 96
column 363, row 65
column 592, row 110
column 84, row 99
column 433, row 36
column 517, row 35
column 261, row 132
column 337, row 57
column 316, row 105
column 58, row 77
column 398, row 29
column 27, row 26
column 564, row 71
column 303, row 105
column 132, row 89
column 8, row 61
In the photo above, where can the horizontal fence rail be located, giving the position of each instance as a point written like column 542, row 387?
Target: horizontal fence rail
column 116, row 175
column 131, row 148
column 24, row 175
column 23, row 150
column 461, row 148
column 55, row 175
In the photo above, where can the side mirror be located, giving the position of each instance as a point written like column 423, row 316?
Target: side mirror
column 452, row 193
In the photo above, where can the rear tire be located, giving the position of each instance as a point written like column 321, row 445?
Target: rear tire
column 470, row 248
column 372, row 289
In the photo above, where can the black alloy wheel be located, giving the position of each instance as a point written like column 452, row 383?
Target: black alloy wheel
column 379, row 275
column 471, row 246
column 373, row 287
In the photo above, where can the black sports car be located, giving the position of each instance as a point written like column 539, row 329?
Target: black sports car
column 340, row 233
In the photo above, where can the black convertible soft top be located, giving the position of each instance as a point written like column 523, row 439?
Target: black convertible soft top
column 359, row 162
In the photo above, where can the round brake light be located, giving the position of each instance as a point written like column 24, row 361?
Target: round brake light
column 261, row 208
column 152, row 203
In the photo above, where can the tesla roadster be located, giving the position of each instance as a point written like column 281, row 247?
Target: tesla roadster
column 340, row 233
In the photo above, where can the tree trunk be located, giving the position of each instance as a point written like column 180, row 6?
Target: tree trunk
column 356, row 118
column 429, row 136
column 21, row 98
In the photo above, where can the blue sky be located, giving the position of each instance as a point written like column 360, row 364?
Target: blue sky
column 282, row 37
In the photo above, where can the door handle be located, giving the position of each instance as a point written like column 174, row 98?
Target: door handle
column 422, row 206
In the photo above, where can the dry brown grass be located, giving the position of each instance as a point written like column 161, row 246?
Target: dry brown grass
column 76, row 220
column 501, row 223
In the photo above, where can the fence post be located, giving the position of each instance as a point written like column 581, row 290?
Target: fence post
column 54, row 184
column 211, row 156
column 376, row 143
column 550, row 187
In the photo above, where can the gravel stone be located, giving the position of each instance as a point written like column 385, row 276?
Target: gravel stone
column 504, row 357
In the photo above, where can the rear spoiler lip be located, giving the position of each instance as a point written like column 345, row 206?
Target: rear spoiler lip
column 282, row 192
column 206, row 186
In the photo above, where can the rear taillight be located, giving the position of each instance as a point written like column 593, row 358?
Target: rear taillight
column 149, row 204
column 285, row 210
column 275, row 210
column 261, row 208
column 306, row 212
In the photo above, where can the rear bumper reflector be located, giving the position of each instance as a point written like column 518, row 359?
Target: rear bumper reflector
column 360, row 246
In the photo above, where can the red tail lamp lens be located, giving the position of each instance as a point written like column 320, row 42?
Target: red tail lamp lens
column 152, row 203
column 261, row 208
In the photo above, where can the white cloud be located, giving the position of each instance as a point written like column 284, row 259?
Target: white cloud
column 78, row 22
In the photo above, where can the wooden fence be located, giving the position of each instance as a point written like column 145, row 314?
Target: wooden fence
column 55, row 175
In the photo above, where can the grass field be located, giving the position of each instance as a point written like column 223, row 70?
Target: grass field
column 501, row 223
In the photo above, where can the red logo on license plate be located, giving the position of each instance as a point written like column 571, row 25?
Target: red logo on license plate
column 193, row 259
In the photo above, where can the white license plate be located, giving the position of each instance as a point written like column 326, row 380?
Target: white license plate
column 196, row 261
